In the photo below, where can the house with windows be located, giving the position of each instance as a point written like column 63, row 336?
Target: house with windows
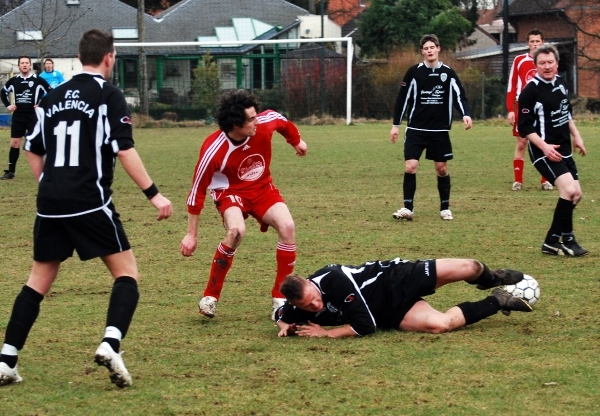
column 23, row 31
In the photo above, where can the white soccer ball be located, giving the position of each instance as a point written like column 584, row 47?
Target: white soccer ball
column 527, row 289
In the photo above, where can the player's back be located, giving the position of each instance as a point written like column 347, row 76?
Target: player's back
column 78, row 125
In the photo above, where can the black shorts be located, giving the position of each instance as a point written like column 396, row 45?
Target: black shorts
column 22, row 124
column 437, row 144
column 552, row 170
column 409, row 282
column 96, row 234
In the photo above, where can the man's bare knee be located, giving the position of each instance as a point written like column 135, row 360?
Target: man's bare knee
column 235, row 235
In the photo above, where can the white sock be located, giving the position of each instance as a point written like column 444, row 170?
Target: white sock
column 112, row 332
column 9, row 350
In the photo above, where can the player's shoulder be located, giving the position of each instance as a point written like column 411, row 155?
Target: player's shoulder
column 268, row 116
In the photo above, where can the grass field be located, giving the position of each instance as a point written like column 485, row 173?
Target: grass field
column 342, row 196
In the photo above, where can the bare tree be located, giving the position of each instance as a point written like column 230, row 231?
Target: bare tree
column 44, row 23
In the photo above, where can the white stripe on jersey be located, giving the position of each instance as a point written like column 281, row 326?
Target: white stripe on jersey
column 272, row 115
column 348, row 272
column 100, row 134
column 206, row 158
column 413, row 88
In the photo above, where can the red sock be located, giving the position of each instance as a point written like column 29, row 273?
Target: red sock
column 286, row 259
column 543, row 180
column 518, row 165
column 218, row 271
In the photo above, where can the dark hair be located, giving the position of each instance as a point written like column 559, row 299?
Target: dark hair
column 293, row 287
column 545, row 48
column 535, row 32
column 231, row 110
column 48, row 60
column 94, row 45
column 429, row 38
column 21, row 57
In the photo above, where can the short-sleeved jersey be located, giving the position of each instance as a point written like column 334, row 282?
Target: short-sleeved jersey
column 54, row 78
column 428, row 95
column 225, row 164
column 27, row 91
column 522, row 71
column 81, row 127
column 544, row 108
column 360, row 296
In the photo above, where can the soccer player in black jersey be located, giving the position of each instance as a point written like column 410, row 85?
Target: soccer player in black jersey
column 546, row 121
column 27, row 89
column 387, row 294
column 428, row 93
column 83, row 126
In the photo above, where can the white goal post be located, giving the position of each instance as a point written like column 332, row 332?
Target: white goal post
column 349, row 54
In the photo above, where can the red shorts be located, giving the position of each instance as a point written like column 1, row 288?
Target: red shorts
column 256, row 202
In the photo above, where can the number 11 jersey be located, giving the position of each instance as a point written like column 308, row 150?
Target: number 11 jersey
column 81, row 126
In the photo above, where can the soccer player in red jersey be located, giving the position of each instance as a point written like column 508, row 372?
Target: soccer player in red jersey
column 523, row 70
column 234, row 165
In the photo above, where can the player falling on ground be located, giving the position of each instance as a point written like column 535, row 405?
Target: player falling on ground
column 546, row 121
column 82, row 127
column 388, row 295
column 234, row 164
column 27, row 89
column 427, row 95
column 522, row 71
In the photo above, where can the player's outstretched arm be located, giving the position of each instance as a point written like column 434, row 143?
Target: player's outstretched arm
column 577, row 140
column 301, row 148
column 190, row 241
column 135, row 169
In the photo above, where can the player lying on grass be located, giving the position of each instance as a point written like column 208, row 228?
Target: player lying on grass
column 387, row 294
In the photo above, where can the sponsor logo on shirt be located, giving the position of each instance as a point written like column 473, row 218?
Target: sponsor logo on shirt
column 246, row 147
column 349, row 298
column 251, row 168
column 530, row 75
column 332, row 308
column 403, row 84
column 525, row 111
column 126, row 120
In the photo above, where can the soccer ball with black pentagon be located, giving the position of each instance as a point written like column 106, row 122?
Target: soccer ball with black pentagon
column 527, row 289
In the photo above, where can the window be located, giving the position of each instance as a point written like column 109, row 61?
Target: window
column 29, row 35
column 125, row 33
column 72, row 2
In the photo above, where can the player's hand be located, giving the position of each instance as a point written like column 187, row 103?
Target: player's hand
column 552, row 153
column 301, row 148
column 12, row 108
column 511, row 118
column 578, row 144
column 394, row 132
column 188, row 245
column 285, row 329
column 311, row 330
column 163, row 205
column 468, row 122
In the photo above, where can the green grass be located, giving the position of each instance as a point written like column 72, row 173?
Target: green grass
column 342, row 196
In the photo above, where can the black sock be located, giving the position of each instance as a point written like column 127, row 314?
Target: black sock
column 13, row 156
column 409, row 186
column 123, row 302
column 476, row 311
column 485, row 278
column 9, row 360
column 25, row 311
column 562, row 221
column 114, row 343
column 444, row 191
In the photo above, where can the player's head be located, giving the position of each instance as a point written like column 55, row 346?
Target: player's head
column 94, row 45
column 535, row 38
column 546, row 59
column 232, row 109
column 24, row 63
column 302, row 293
column 430, row 47
column 49, row 65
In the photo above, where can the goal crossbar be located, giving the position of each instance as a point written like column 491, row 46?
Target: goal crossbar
column 229, row 43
